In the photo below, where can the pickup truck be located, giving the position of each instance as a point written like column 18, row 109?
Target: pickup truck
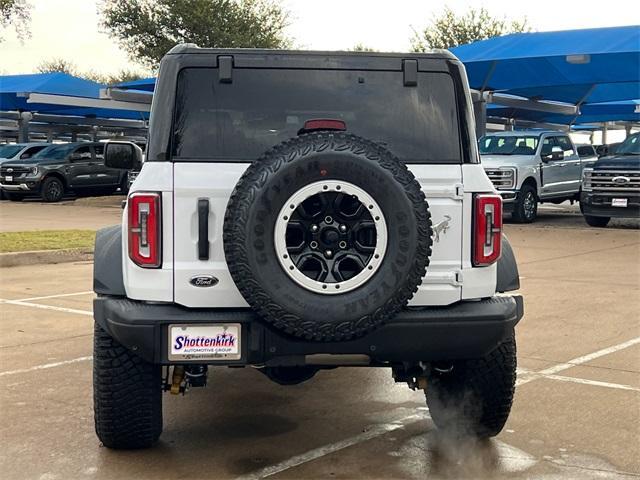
column 612, row 187
column 528, row 167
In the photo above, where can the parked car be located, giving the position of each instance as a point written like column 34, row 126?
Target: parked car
column 19, row 151
column 297, row 223
column 587, row 154
column 607, row 149
column 530, row 167
column 61, row 168
column 611, row 188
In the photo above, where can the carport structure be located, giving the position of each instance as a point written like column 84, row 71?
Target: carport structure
column 60, row 106
column 559, row 78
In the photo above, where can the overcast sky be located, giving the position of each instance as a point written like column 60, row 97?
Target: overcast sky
column 69, row 28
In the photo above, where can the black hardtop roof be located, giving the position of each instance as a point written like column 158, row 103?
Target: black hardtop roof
column 189, row 48
column 270, row 58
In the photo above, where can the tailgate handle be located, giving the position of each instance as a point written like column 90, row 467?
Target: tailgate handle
column 203, row 229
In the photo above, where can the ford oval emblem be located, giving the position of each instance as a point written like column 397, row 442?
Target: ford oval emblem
column 620, row 180
column 203, row 281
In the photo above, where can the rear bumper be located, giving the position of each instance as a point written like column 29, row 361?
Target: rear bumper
column 463, row 330
column 599, row 205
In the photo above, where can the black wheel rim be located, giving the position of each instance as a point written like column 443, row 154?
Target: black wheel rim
column 54, row 190
column 332, row 238
column 529, row 205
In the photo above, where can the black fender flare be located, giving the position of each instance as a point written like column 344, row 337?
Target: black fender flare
column 508, row 276
column 107, row 262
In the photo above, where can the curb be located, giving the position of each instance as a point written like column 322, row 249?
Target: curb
column 15, row 259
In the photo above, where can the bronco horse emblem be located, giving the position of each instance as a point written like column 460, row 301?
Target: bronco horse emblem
column 441, row 227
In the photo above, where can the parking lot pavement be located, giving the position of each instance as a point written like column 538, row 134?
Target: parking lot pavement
column 84, row 213
column 576, row 413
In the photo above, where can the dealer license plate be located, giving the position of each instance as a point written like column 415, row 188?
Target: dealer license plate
column 204, row 342
column 8, row 179
column 619, row 202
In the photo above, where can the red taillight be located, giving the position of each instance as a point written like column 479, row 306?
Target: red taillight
column 323, row 124
column 144, row 229
column 487, row 230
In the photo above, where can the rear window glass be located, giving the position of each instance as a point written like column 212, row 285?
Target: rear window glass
column 239, row 121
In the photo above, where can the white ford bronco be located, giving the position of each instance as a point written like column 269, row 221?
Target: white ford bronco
column 299, row 211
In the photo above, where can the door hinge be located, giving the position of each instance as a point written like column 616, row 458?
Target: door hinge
column 459, row 195
column 458, row 278
column 225, row 68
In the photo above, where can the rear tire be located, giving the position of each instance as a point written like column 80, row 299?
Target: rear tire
column 526, row 207
column 598, row 222
column 52, row 189
column 475, row 397
column 124, row 185
column 127, row 395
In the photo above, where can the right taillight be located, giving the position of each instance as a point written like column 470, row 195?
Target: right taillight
column 487, row 235
column 144, row 229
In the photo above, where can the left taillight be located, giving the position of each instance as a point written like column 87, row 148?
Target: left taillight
column 144, row 225
column 487, row 230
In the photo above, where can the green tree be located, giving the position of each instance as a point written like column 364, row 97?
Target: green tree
column 147, row 29
column 16, row 14
column 450, row 30
column 361, row 47
column 57, row 65
column 65, row 66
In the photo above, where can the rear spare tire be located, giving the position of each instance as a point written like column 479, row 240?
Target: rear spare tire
column 327, row 236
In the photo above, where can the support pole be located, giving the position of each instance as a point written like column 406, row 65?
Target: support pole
column 480, row 114
column 23, row 127
column 604, row 133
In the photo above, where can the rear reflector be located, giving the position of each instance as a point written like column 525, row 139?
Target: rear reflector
column 323, row 124
column 144, row 229
column 487, row 236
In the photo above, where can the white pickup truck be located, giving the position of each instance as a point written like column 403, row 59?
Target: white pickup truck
column 529, row 167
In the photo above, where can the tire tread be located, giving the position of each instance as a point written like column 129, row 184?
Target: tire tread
column 127, row 395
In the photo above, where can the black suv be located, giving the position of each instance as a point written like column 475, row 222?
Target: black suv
column 59, row 169
column 612, row 187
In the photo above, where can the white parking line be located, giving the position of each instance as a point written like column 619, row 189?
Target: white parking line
column 529, row 376
column 526, row 376
column 47, row 307
column 594, row 383
column 590, row 356
column 55, row 296
column 45, row 366
column 373, row 432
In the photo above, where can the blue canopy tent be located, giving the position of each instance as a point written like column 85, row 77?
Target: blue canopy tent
column 575, row 67
column 40, row 102
column 621, row 111
column 143, row 85
column 65, row 95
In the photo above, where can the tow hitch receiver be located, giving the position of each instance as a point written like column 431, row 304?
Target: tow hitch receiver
column 185, row 377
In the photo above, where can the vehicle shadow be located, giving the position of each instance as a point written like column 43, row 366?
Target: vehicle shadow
column 242, row 422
